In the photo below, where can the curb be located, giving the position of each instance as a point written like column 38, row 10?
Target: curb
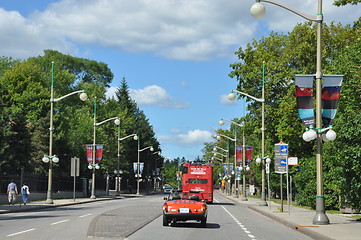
column 291, row 225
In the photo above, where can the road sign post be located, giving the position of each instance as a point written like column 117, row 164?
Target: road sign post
column 74, row 171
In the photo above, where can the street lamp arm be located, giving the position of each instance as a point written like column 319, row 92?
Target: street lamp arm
column 233, row 140
column 100, row 123
column 220, row 154
column 132, row 135
column 221, row 148
column 239, row 125
column 67, row 95
column 145, row 149
column 250, row 96
column 304, row 15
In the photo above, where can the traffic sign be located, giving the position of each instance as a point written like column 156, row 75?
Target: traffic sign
column 281, row 155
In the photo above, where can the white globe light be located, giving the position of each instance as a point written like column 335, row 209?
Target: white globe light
column 97, row 166
column 331, row 135
column 117, row 121
column 214, row 154
column 324, row 138
column 258, row 10
column 248, row 168
column 312, row 134
column 151, row 149
column 305, row 137
column 218, row 137
column 135, row 137
column 83, row 96
column 45, row 159
column 214, row 149
column 268, row 160
column 258, row 160
column 221, row 123
column 90, row 166
column 231, row 96
column 55, row 159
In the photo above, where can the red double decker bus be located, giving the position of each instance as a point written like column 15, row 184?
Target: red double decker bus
column 198, row 180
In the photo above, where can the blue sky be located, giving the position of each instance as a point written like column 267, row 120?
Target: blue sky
column 174, row 54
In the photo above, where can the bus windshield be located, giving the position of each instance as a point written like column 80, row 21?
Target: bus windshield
column 197, row 181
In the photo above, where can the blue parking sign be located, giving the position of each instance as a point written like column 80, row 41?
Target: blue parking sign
column 283, row 162
column 284, row 149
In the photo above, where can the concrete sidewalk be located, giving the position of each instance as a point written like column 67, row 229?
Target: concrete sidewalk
column 57, row 203
column 341, row 227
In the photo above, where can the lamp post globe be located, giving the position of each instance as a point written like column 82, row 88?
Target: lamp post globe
column 83, row 96
column 231, row 96
column 135, row 137
column 258, row 160
column 221, row 123
column 117, row 121
column 55, row 159
column 330, row 135
column 258, row 10
column 219, row 137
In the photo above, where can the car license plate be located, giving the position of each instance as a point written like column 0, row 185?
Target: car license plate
column 184, row 210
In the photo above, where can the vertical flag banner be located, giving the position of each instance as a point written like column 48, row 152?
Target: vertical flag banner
column 249, row 150
column 239, row 154
column 135, row 166
column 330, row 96
column 89, row 152
column 304, row 98
column 99, row 152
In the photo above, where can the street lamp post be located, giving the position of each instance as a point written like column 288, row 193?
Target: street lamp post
column 94, row 165
column 221, row 123
column 258, row 10
column 235, row 144
column 138, row 163
column 118, row 171
column 53, row 158
column 232, row 97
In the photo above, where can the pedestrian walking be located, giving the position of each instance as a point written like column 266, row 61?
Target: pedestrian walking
column 25, row 193
column 12, row 191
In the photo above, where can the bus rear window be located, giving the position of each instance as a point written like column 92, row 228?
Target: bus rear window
column 197, row 181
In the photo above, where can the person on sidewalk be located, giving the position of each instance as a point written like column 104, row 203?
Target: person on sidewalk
column 12, row 191
column 25, row 193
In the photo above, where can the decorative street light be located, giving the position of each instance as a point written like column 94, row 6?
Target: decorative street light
column 258, row 10
column 221, row 123
column 235, row 144
column 244, row 193
column 232, row 97
column 118, row 171
column 53, row 158
column 138, row 164
column 94, row 165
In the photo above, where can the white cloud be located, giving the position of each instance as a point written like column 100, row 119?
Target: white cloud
column 151, row 96
column 177, row 29
column 192, row 138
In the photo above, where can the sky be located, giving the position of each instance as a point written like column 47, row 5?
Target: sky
column 174, row 54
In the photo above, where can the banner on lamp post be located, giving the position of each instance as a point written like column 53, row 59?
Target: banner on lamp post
column 330, row 95
column 239, row 154
column 99, row 152
column 89, row 152
column 304, row 98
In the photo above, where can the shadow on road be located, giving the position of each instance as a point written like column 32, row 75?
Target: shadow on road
column 194, row 225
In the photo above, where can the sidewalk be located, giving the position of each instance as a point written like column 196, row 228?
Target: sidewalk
column 57, row 203
column 341, row 227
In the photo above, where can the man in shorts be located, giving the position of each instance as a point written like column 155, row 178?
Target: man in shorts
column 12, row 192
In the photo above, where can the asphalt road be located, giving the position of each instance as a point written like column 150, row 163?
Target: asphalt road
column 140, row 218
column 226, row 220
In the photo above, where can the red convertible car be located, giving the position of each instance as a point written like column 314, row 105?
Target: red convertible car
column 176, row 209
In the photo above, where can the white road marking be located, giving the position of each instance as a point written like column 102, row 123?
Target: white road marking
column 86, row 215
column 13, row 234
column 238, row 223
column 59, row 222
